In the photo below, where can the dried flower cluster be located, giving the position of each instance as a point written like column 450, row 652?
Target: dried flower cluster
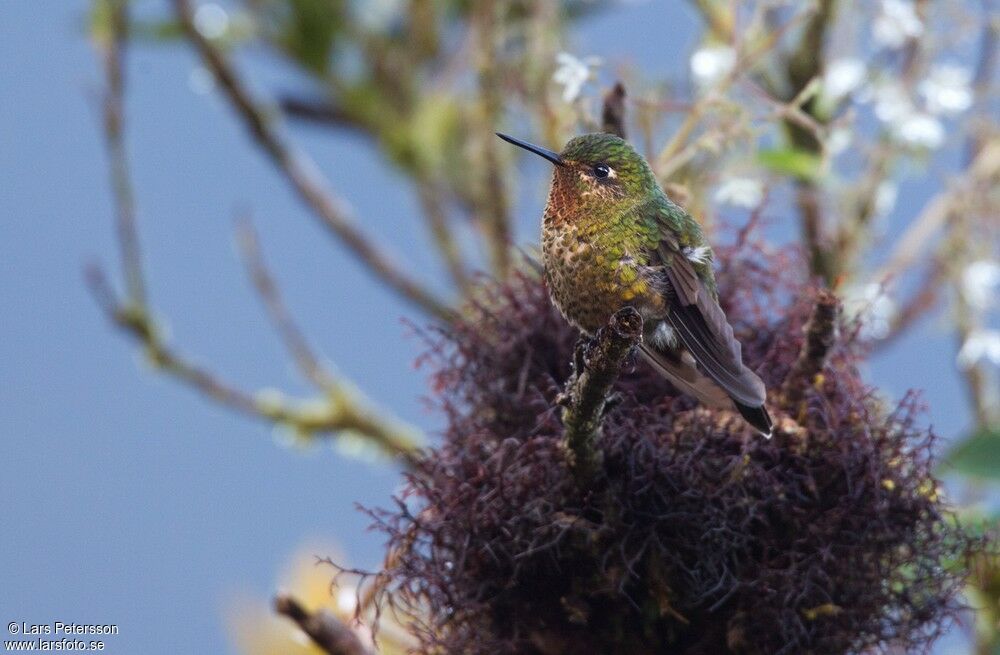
column 696, row 536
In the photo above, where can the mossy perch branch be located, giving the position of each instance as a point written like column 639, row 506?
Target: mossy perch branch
column 324, row 629
column 586, row 394
column 820, row 335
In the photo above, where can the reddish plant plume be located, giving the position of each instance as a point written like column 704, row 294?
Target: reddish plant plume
column 696, row 536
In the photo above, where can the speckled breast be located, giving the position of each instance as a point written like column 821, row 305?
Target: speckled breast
column 591, row 275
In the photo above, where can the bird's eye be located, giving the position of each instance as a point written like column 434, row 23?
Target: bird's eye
column 601, row 171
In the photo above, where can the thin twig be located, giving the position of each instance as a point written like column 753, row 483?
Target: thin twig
column 976, row 381
column 325, row 630
column 436, row 217
column 719, row 16
column 853, row 229
column 307, row 361
column 746, row 61
column 985, row 167
column 804, row 66
column 613, row 111
column 981, row 395
column 586, row 393
column 339, row 411
column 982, row 81
column 919, row 302
column 304, row 176
column 113, row 51
column 135, row 320
column 495, row 206
column 321, row 111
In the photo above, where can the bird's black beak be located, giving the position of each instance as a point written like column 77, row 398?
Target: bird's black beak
column 530, row 147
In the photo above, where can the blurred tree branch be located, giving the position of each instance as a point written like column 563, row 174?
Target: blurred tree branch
column 323, row 628
column 981, row 172
column 340, row 409
column 303, row 174
column 494, row 206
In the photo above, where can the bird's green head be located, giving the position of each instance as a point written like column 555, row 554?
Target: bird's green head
column 595, row 170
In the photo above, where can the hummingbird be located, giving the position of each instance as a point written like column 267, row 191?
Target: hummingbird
column 611, row 238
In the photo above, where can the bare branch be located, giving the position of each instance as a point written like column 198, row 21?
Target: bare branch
column 429, row 194
column 135, row 320
column 494, row 208
column 340, row 409
column 820, row 335
column 984, row 168
column 719, row 17
column 613, row 112
column 985, row 66
column 436, row 217
column 920, row 302
column 304, row 176
column 321, row 111
column 586, row 394
column 296, row 343
column 330, row 634
column 664, row 163
column 822, row 261
column 113, row 53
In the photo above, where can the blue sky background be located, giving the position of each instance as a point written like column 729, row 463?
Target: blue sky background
column 126, row 498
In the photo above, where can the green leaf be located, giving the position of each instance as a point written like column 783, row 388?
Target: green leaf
column 977, row 455
column 788, row 161
column 312, row 29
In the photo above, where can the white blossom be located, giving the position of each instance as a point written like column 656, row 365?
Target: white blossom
column 980, row 345
column 947, row 89
column 740, row 192
column 921, row 130
column 896, row 23
column 839, row 141
column 981, row 283
column 709, row 64
column 873, row 308
column 842, row 77
column 885, row 197
column 907, row 123
column 892, row 102
column 573, row 73
column 211, row 20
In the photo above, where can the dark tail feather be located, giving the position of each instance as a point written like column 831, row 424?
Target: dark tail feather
column 757, row 417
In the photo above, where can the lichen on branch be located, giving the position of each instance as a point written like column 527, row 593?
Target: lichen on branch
column 600, row 360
